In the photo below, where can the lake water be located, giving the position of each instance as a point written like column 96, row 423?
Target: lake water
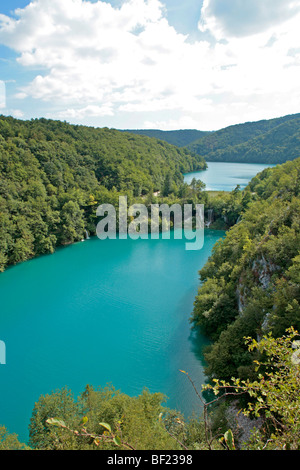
column 99, row 312
column 221, row 176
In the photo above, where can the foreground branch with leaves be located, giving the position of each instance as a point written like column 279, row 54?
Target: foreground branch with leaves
column 107, row 437
column 274, row 395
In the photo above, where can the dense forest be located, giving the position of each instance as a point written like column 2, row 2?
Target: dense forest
column 53, row 175
column 268, row 141
column 250, row 286
column 180, row 138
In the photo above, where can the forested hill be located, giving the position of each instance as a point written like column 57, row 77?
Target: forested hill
column 251, row 284
column 52, row 175
column 180, row 138
column 268, row 141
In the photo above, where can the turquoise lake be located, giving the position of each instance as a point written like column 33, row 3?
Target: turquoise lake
column 103, row 312
column 98, row 312
column 221, row 176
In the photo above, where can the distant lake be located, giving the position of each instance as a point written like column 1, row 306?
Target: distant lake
column 223, row 176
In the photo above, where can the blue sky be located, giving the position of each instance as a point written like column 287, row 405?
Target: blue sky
column 169, row 64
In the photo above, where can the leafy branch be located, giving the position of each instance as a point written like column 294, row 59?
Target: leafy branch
column 228, row 436
column 107, row 437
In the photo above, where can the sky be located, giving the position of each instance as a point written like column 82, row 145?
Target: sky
column 150, row 64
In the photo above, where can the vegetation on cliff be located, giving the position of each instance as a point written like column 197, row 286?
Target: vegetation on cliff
column 250, row 285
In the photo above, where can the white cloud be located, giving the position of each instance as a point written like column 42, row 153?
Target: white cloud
column 79, row 113
column 93, row 60
column 183, row 122
column 226, row 18
column 17, row 113
column 2, row 94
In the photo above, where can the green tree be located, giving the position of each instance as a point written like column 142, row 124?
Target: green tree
column 72, row 223
column 10, row 441
column 41, row 435
column 60, row 422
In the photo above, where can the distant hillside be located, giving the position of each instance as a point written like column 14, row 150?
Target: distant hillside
column 268, row 141
column 180, row 138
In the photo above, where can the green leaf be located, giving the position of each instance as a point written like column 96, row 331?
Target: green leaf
column 117, row 441
column 229, row 440
column 56, row 422
column 106, row 426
